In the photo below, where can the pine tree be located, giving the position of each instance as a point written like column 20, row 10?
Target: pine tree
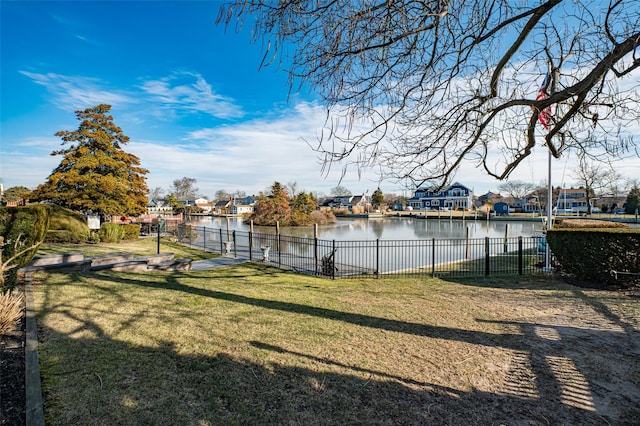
column 274, row 208
column 95, row 173
column 377, row 198
column 633, row 201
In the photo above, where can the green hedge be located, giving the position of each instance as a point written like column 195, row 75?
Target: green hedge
column 30, row 224
column 66, row 226
column 591, row 255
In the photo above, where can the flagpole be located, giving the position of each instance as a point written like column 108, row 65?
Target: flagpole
column 547, row 263
column 554, row 82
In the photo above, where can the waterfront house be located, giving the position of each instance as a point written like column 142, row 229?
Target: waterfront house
column 454, row 197
column 204, row 205
column 155, row 207
column 572, row 200
column 501, row 208
column 222, row 207
column 241, row 209
column 346, row 201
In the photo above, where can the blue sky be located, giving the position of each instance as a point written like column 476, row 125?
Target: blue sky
column 188, row 93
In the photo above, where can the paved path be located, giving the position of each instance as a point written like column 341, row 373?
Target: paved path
column 201, row 265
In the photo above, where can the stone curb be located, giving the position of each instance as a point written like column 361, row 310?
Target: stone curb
column 33, row 388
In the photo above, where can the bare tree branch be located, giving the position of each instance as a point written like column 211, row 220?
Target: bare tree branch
column 420, row 88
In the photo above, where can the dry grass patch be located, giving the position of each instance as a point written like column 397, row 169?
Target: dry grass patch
column 251, row 344
column 11, row 308
column 589, row 223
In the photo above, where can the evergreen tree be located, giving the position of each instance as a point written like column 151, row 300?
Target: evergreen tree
column 377, row 198
column 274, row 208
column 95, row 173
column 633, row 201
column 302, row 205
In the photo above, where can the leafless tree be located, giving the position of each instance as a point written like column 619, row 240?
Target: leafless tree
column 293, row 188
column 184, row 188
column 156, row 193
column 222, row 195
column 517, row 189
column 592, row 176
column 418, row 87
column 340, row 191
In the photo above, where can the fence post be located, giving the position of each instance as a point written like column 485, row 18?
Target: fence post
column 235, row 244
column 520, row 255
column 315, row 253
column 278, row 247
column 204, row 238
column 333, row 263
column 377, row 257
column 468, row 251
column 486, row 256
column 433, row 257
column 251, row 242
column 506, row 241
column 221, row 248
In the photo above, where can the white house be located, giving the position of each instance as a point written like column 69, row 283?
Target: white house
column 241, row 209
column 158, row 207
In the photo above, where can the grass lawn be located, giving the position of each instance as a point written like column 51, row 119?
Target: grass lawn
column 139, row 247
column 251, row 344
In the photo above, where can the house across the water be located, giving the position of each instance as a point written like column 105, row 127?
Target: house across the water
column 456, row 196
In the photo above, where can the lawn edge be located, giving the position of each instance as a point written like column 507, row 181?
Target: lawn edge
column 33, row 387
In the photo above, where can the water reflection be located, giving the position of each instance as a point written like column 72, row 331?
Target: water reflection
column 391, row 228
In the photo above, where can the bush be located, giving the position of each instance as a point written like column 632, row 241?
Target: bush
column 27, row 226
column 94, row 237
column 66, row 226
column 111, row 233
column 322, row 217
column 592, row 254
column 131, row 231
column 64, row 236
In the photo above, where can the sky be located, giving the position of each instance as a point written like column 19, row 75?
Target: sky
column 190, row 94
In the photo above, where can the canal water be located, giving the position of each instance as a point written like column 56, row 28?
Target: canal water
column 391, row 228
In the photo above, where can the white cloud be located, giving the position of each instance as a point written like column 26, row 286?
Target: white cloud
column 71, row 92
column 248, row 156
column 28, row 167
column 187, row 91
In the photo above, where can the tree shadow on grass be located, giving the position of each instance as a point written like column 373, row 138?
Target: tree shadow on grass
column 97, row 381
column 552, row 377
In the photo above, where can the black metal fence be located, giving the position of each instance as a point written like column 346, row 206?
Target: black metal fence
column 469, row 257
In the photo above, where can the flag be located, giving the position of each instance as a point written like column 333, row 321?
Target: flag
column 544, row 117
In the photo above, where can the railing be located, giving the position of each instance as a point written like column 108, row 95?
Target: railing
column 378, row 258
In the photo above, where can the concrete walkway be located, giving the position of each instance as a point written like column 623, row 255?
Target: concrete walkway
column 201, row 265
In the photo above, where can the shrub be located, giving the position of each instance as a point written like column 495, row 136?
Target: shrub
column 131, row 231
column 66, row 226
column 111, row 233
column 94, row 237
column 592, row 254
column 64, row 236
column 21, row 228
column 322, row 217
